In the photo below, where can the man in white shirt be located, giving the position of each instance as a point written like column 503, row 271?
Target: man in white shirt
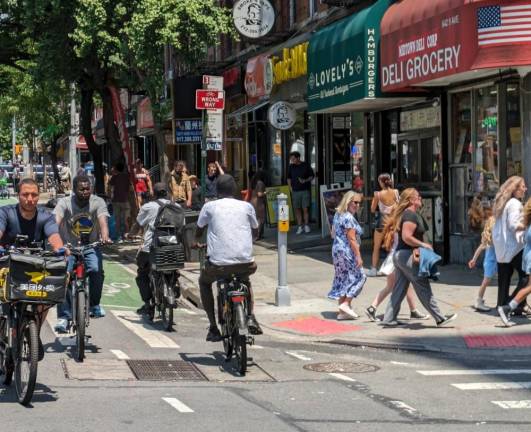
column 229, row 248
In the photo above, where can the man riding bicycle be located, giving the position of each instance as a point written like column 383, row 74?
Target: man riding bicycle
column 229, row 248
column 26, row 219
column 82, row 217
column 146, row 218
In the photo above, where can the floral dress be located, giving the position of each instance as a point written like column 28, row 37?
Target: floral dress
column 349, row 279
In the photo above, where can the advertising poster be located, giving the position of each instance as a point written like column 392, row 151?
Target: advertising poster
column 272, row 203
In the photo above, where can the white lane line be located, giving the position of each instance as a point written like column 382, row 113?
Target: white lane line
column 149, row 334
column 120, row 355
column 256, row 347
column 494, row 386
column 187, row 311
column 399, row 363
column 342, row 377
column 119, row 307
column 404, row 407
column 126, row 268
column 522, row 404
column 298, row 356
column 178, row 405
column 451, row 372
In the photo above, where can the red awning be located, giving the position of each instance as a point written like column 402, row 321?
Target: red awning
column 437, row 42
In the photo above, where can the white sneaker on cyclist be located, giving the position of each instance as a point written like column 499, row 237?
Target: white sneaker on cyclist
column 61, row 326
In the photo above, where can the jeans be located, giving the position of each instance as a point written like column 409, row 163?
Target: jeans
column 142, row 276
column 505, row 273
column 94, row 271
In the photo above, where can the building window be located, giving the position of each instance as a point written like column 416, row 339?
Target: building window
column 312, row 7
column 513, row 148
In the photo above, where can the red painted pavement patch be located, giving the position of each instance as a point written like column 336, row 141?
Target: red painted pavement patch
column 316, row 326
column 498, row 341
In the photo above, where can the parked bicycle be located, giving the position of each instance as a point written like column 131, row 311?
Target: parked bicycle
column 79, row 289
column 233, row 308
column 31, row 282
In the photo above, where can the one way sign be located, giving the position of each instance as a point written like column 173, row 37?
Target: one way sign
column 209, row 99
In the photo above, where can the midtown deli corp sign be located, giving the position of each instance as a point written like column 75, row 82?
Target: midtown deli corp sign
column 436, row 47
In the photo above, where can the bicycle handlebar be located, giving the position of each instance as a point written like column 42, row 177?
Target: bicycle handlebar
column 78, row 250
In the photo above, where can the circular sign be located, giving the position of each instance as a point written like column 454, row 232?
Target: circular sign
column 253, row 18
column 282, row 115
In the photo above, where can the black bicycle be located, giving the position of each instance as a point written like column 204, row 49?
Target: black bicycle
column 233, row 309
column 79, row 289
column 26, row 296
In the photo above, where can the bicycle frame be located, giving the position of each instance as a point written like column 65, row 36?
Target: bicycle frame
column 79, row 286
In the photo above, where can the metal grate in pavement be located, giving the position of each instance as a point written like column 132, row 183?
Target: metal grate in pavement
column 165, row 370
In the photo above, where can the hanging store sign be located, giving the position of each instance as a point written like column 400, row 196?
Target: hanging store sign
column 293, row 63
column 258, row 78
column 188, row 131
column 253, row 18
column 420, row 119
column 282, row 115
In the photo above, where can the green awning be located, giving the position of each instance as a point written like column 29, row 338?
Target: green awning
column 344, row 61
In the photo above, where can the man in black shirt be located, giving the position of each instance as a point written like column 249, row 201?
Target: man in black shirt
column 300, row 176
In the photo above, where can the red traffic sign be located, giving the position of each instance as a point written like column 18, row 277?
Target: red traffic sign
column 209, row 99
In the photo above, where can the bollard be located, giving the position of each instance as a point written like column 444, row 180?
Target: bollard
column 282, row 295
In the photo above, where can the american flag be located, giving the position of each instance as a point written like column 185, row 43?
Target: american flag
column 503, row 25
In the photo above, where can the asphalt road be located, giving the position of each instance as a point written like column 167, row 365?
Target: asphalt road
column 390, row 390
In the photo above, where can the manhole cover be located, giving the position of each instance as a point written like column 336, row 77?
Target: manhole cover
column 165, row 370
column 339, row 367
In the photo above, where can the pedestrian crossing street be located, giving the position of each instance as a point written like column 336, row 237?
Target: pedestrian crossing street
column 491, row 380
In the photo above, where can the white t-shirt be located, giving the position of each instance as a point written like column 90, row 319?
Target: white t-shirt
column 229, row 237
column 506, row 240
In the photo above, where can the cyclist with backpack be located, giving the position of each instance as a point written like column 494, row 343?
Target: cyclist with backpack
column 160, row 210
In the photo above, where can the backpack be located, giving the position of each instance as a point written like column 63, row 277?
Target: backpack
column 169, row 221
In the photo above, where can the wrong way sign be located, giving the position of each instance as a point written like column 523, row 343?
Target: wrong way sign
column 209, row 99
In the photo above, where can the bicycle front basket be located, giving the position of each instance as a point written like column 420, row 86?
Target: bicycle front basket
column 36, row 279
column 169, row 257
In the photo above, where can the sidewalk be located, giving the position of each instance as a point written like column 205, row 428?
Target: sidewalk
column 312, row 317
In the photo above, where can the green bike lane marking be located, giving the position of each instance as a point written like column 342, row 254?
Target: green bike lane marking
column 119, row 288
column 8, row 201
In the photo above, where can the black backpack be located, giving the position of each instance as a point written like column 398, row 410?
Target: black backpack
column 169, row 221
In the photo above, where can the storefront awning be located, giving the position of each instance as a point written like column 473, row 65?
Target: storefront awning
column 247, row 109
column 343, row 63
column 440, row 42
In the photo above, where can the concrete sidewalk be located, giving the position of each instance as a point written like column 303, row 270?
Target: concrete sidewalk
column 312, row 317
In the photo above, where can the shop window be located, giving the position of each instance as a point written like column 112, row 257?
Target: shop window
column 341, row 149
column 409, row 158
column 430, row 160
column 461, row 136
column 357, row 148
column 486, row 173
column 296, row 136
column 514, row 131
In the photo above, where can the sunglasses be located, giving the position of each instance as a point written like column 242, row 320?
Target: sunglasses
column 356, row 202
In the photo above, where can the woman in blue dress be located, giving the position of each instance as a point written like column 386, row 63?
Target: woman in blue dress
column 348, row 264
column 506, row 311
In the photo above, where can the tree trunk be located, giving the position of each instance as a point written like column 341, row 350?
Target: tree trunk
column 111, row 132
column 163, row 157
column 86, row 130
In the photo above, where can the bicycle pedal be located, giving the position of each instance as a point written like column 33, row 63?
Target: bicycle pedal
column 88, row 336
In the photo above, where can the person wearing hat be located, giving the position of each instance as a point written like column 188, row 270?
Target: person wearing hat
column 146, row 218
column 231, row 224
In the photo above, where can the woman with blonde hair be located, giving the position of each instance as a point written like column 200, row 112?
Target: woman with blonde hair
column 383, row 201
column 406, row 223
column 507, row 237
column 521, row 295
column 348, row 265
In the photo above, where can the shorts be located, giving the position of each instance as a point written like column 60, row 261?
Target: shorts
column 121, row 210
column 490, row 265
column 301, row 199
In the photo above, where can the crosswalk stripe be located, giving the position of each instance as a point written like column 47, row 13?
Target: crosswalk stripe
column 522, row 404
column 494, row 386
column 298, row 356
column 342, row 377
column 149, row 334
column 178, row 405
column 120, row 354
column 451, row 372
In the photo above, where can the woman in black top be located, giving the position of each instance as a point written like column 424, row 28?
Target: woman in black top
column 404, row 220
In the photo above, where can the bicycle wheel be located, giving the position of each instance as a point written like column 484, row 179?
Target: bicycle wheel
column 80, row 325
column 6, row 357
column 27, row 357
column 240, row 352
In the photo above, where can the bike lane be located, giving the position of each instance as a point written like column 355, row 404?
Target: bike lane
column 119, row 288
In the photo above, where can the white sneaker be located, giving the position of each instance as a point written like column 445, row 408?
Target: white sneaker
column 372, row 272
column 299, row 230
column 307, row 229
column 344, row 308
column 480, row 306
column 341, row 316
